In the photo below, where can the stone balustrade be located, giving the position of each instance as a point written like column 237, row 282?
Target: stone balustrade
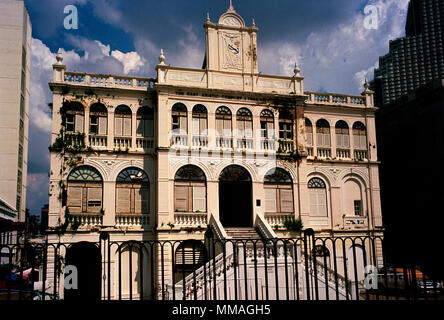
column 286, row 146
column 245, row 144
column 98, row 141
column 324, row 152
column 335, row 99
column 360, row 155
column 100, row 80
column 86, row 220
column 132, row 221
column 200, row 141
column 343, row 153
column 224, row 142
column 123, row 142
column 190, row 219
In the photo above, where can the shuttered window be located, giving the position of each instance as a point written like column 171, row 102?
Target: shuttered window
column 84, row 194
column 145, row 122
column 318, row 197
column 223, row 122
column 199, row 121
column 244, row 123
column 179, row 118
column 323, row 134
column 79, row 123
column 190, row 192
column 342, row 135
column 359, row 136
column 309, row 132
column 98, row 118
column 278, row 187
column 132, row 192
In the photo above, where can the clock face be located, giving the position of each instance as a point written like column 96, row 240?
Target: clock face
column 231, row 21
column 232, row 55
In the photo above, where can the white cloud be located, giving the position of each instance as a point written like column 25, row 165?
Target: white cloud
column 337, row 60
column 132, row 61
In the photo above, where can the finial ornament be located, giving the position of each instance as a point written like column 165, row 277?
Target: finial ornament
column 161, row 57
column 208, row 17
column 59, row 56
column 254, row 24
column 296, row 69
column 231, row 8
column 366, row 85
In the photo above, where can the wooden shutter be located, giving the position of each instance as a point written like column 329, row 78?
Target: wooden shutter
column 199, row 199
column 227, row 127
column 123, row 200
column 320, row 139
column 75, row 199
column 183, row 125
column 195, row 125
column 94, row 196
column 191, row 255
column 318, row 202
column 286, row 200
column 346, row 141
column 356, row 140
column 327, row 141
column 363, row 142
column 203, row 126
column 79, row 123
column 249, row 129
column 219, row 126
column 181, row 198
column 127, row 127
column 102, row 125
column 270, row 130
column 141, row 200
column 339, row 140
column 270, row 200
column 118, row 132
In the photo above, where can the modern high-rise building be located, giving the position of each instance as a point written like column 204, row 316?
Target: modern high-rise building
column 15, row 60
column 415, row 59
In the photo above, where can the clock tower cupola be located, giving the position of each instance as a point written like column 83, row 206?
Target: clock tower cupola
column 230, row 45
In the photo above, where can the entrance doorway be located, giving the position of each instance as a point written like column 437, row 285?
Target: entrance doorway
column 85, row 256
column 235, row 197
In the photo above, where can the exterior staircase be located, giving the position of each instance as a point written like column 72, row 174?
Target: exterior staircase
column 243, row 233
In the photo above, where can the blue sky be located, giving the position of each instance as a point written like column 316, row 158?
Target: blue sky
column 327, row 38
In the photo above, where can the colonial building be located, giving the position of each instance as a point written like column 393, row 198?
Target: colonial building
column 224, row 147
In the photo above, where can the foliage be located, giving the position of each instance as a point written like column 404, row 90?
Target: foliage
column 293, row 224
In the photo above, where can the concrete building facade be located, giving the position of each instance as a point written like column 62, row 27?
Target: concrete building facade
column 15, row 59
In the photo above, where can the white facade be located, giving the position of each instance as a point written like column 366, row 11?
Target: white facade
column 226, row 146
column 15, row 59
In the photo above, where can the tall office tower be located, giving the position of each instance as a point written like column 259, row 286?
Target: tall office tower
column 415, row 59
column 15, row 60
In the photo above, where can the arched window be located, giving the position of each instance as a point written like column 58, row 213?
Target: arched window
column 190, row 191
column 132, row 192
column 353, row 204
column 145, row 122
column 189, row 256
column 74, row 117
column 84, row 190
column 200, row 120
column 318, row 197
column 285, row 125
column 179, row 118
column 223, row 122
column 309, row 132
column 122, row 121
column 359, row 136
column 323, row 133
column 267, row 124
column 244, row 120
column 278, row 187
column 235, row 173
column 342, row 135
column 98, row 118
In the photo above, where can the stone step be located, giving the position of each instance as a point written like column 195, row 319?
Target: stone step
column 242, row 233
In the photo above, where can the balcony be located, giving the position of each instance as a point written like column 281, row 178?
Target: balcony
column 98, row 141
column 179, row 140
column 277, row 219
column 109, row 81
column 310, row 151
column 245, row 144
column 145, row 143
column 132, row 221
column 268, row 144
column 360, row 155
column 286, row 146
column 200, row 141
column 343, row 153
column 86, row 220
column 224, row 142
column 122, row 142
column 324, row 153
column 190, row 219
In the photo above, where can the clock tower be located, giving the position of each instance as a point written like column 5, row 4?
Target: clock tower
column 230, row 45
